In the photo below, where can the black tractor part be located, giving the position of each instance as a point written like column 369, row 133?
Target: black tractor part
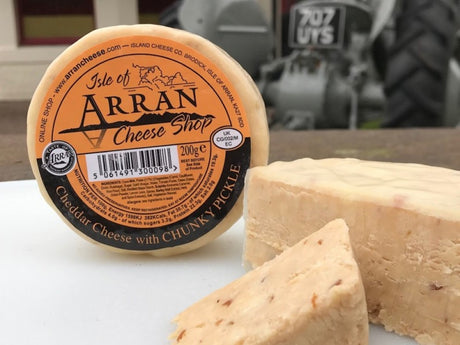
column 418, row 63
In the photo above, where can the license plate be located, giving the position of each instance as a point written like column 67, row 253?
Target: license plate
column 316, row 26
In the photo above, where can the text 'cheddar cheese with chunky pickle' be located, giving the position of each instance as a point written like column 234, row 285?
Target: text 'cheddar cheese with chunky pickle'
column 140, row 137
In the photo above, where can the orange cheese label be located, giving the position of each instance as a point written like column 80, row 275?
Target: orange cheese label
column 142, row 143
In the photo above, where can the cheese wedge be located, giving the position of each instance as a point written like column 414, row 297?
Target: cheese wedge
column 404, row 224
column 310, row 294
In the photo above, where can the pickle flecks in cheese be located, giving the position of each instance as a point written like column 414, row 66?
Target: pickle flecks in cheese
column 150, row 148
column 323, row 305
column 404, row 224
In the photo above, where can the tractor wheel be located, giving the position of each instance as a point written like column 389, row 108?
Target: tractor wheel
column 418, row 63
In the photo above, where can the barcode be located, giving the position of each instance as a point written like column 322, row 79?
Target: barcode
column 132, row 163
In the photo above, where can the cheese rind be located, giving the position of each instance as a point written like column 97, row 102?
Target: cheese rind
column 404, row 224
column 310, row 294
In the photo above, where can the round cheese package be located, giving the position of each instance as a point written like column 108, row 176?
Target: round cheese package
column 140, row 137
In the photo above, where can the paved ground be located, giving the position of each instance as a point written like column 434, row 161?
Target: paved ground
column 429, row 146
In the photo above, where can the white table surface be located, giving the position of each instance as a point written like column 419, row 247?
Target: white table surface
column 57, row 288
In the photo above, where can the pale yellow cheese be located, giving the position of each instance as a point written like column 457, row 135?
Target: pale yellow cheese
column 404, row 224
column 311, row 294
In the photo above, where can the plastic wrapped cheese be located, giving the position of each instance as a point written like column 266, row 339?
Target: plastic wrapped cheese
column 140, row 137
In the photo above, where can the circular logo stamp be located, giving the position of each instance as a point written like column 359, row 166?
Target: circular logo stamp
column 227, row 138
column 59, row 158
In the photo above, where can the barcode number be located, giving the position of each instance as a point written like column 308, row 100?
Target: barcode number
column 132, row 163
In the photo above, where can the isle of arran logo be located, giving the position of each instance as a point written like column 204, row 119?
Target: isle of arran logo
column 164, row 102
column 59, row 158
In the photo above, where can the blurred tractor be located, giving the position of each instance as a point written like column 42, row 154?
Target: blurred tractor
column 357, row 63
column 350, row 63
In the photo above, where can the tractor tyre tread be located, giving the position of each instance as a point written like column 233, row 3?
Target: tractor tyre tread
column 418, row 63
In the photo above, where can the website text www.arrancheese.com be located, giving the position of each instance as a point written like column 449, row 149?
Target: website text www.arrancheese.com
column 83, row 62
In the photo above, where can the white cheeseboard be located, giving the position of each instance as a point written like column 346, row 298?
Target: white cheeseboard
column 56, row 288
